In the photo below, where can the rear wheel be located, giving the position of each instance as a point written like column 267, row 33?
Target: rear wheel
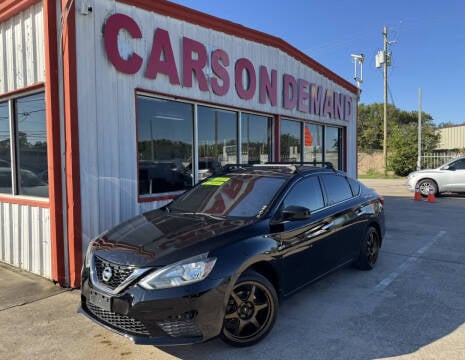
column 251, row 310
column 369, row 250
column 425, row 186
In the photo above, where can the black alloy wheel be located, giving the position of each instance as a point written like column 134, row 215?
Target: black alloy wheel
column 251, row 310
column 369, row 250
column 425, row 185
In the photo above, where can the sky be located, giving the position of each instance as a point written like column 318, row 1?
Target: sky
column 427, row 43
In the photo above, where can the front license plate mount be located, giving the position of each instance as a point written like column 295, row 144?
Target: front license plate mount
column 99, row 299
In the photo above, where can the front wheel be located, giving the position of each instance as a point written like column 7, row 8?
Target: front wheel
column 425, row 185
column 369, row 250
column 251, row 310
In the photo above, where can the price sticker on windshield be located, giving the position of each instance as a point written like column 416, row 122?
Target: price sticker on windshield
column 217, row 181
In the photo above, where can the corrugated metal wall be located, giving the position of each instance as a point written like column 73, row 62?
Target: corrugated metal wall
column 24, row 229
column 25, row 237
column 106, row 103
column 22, row 61
column 452, row 138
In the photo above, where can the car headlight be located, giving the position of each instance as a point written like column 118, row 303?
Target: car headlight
column 89, row 253
column 184, row 272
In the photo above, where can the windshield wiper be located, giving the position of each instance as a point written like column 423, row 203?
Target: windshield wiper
column 216, row 217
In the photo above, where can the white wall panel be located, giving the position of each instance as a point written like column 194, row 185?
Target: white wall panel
column 24, row 230
column 25, row 238
column 22, row 50
column 106, row 104
column 452, row 138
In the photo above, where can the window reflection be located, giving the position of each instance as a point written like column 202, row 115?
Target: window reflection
column 290, row 141
column 313, row 144
column 333, row 138
column 217, row 139
column 5, row 161
column 256, row 139
column 165, row 133
column 166, row 147
column 30, row 176
column 32, row 145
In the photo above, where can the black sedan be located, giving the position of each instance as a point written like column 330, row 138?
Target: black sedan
column 217, row 260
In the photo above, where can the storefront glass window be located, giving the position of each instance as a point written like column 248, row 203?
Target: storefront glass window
column 256, row 139
column 5, row 161
column 32, row 145
column 291, row 141
column 165, row 133
column 30, row 176
column 217, row 134
column 333, row 146
column 313, row 144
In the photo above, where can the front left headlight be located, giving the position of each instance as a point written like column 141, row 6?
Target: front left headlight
column 89, row 253
column 184, row 272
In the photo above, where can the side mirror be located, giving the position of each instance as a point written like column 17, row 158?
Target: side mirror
column 293, row 212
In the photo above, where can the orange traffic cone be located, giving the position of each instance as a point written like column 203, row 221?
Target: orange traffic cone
column 431, row 197
column 417, row 195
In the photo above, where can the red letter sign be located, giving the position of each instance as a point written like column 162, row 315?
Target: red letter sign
column 113, row 26
column 245, row 92
column 162, row 44
column 191, row 65
column 220, row 71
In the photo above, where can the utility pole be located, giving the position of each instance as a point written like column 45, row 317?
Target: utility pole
column 419, row 130
column 385, row 34
column 384, row 58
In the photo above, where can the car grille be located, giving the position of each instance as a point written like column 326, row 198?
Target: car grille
column 119, row 322
column 119, row 272
column 179, row 328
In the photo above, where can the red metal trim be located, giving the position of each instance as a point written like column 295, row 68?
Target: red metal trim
column 22, row 91
column 10, row 8
column 21, row 201
column 53, row 141
column 73, row 189
column 183, row 13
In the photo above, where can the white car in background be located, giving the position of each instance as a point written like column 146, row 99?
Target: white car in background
column 449, row 177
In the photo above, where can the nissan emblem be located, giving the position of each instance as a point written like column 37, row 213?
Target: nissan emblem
column 107, row 274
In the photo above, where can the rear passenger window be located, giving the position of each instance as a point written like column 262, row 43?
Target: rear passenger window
column 354, row 185
column 337, row 188
column 307, row 193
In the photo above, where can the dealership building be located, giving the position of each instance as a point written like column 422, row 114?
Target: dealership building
column 112, row 108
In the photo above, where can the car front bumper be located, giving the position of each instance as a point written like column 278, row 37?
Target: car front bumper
column 182, row 315
column 410, row 183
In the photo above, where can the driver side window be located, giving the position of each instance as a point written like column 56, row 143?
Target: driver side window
column 307, row 193
column 459, row 164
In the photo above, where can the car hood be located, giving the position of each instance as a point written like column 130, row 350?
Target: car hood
column 159, row 238
column 425, row 171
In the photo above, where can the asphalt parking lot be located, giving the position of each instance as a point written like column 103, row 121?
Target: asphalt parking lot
column 411, row 306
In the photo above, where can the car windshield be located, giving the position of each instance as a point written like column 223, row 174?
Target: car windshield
column 237, row 195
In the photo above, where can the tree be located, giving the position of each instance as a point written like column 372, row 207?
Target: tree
column 370, row 126
column 402, row 136
column 403, row 143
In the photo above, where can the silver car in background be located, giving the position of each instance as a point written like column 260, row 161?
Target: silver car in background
column 449, row 177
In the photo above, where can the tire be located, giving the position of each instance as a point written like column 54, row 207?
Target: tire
column 425, row 185
column 369, row 250
column 251, row 310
